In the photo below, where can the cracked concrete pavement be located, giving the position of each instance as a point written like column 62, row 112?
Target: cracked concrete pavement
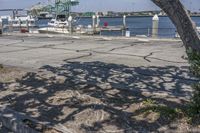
column 145, row 68
column 35, row 51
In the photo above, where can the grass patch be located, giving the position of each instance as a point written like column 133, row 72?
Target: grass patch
column 190, row 112
column 149, row 102
column 162, row 110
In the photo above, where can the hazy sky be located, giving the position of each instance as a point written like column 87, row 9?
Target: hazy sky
column 101, row 5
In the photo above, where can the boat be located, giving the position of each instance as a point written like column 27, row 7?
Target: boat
column 60, row 23
column 54, row 30
column 63, row 23
column 56, row 23
column 44, row 15
column 21, row 21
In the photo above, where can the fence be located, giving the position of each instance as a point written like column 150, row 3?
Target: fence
column 162, row 32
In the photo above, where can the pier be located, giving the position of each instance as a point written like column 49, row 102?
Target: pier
column 113, row 28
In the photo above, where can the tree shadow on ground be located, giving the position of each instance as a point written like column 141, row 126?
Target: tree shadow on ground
column 98, row 96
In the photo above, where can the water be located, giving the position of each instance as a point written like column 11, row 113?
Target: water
column 136, row 25
column 140, row 25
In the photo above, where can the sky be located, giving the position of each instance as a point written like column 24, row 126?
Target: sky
column 102, row 5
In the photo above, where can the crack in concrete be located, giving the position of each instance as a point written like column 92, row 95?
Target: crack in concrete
column 79, row 57
column 140, row 56
column 32, row 48
column 7, row 45
column 150, row 54
column 52, row 46
column 113, row 49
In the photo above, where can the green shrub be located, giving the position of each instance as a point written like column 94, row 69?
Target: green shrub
column 194, row 59
column 195, row 101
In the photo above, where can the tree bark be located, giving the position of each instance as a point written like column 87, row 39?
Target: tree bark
column 181, row 19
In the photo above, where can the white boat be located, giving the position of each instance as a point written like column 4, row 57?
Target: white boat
column 22, row 21
column 58, row 23
column 54, row 30
column 44, row 15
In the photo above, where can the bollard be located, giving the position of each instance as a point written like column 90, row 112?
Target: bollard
column 124, row 25
column 70, row 24
column 148, row 32
column 1, row 26
column 98, row 21
column 124, row 21
column 20, row 25
column 155, row 25
column 94, row 23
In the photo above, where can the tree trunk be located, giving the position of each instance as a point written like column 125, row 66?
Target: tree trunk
column 181, row 19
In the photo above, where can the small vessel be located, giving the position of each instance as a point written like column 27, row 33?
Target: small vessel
column 22, row 21
column 60, row 24
column 44, row 15
column 56, row 23
column 56, row 26
column 60, row 21
column 53, row 30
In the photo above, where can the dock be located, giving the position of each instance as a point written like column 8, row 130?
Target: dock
column 98, row 30
column 113, row 28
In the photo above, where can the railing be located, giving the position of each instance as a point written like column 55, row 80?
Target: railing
column 162, row 32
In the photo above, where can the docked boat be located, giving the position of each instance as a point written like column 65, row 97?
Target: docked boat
column 63, row 23
column 58, row 23
column 44, row 15
column 21, row 21
column 53, row 30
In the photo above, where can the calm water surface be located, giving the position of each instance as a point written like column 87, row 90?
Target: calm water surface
column 139, row 25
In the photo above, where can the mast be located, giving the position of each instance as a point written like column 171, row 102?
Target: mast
column 60, row 7
column 64, row 6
